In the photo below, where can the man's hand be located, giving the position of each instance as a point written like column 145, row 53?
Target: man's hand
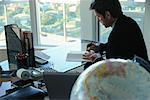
column 91, row 55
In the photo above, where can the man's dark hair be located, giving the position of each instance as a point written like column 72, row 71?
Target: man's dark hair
column 101, row 6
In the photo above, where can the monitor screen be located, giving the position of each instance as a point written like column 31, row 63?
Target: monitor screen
column 20, row 49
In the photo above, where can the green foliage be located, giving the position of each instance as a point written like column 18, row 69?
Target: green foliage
column 51, row 16
column 47, row 19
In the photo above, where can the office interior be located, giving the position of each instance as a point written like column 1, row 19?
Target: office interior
column 87, row 29
column 77, row 31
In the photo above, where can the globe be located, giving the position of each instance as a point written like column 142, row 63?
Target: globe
column 112, row 79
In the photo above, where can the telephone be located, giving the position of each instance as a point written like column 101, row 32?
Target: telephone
column 41, row 57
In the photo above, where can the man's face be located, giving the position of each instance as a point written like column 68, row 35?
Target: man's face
column 105, row 20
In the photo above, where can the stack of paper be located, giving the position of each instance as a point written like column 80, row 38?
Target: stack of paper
column 76, row 56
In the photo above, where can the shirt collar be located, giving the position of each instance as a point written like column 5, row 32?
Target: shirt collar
column 113, row 25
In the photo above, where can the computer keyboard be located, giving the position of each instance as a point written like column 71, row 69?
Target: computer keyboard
column 45, row 69
column 40, row 61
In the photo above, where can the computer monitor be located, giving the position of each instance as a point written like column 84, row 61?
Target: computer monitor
column 18, row 43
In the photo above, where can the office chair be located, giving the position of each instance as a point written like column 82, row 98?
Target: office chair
column 113, row 79
column 142, row 62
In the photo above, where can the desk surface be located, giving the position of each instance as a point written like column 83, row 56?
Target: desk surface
column 4, row 86
column 57, row 57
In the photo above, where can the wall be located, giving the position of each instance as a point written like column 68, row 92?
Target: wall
column 147, row 26
column 87, row 22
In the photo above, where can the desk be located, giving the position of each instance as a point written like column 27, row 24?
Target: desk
column 4, row 86
column 57, row 57
column 5, row 66
column 5, row 83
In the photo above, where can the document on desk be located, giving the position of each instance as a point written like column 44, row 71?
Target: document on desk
column 76, row 56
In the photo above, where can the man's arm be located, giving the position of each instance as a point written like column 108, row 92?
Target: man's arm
column 101, row 48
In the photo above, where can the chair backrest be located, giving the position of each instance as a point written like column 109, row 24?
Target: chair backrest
column 142, row 62
column 59, row 84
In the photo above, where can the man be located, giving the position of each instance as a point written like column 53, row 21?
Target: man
column 125, row 40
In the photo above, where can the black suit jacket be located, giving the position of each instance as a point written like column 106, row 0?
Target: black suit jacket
column 125, row 40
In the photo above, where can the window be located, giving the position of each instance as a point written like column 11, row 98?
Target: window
column 133, row 8
column 58, row 20
column 14, row 12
